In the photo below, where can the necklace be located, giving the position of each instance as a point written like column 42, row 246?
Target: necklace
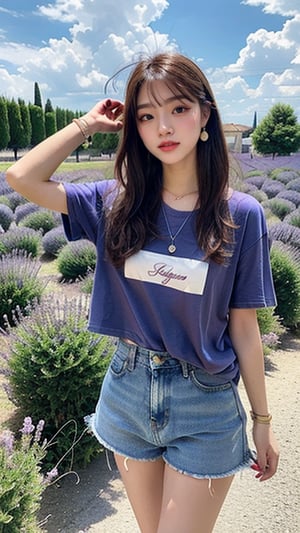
column 181, row 195
column 172, row 246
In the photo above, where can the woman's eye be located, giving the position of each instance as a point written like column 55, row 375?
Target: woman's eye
column 146, row 117
column 180, row 109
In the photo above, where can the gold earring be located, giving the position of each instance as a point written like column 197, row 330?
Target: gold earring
column 204, row 135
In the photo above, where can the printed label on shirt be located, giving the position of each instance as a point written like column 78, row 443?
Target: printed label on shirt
column 180, row 273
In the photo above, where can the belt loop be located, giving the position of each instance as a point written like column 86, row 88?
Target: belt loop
column 185, row 369
column 131, row 357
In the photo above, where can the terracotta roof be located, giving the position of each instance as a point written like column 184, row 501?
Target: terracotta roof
column 236, row 128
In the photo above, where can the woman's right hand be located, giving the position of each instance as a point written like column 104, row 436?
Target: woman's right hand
column 105, row 116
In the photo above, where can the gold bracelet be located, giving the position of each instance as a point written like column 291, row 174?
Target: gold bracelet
column 83, row 126
column 261, row 419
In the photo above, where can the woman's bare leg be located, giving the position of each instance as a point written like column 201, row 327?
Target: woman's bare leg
column 143, row 482
column 191, row 505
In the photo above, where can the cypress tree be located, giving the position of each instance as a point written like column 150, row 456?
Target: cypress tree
column 38, row 124
column 50, row 123
column 48, row 106
column 4, row 124
column 25, row 116
column 15, row 127
column 37, row 95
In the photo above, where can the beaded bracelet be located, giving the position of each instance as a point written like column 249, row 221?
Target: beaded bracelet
column 83, row 126
column 261, row 419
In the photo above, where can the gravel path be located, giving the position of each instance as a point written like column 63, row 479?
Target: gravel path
column 98, row 503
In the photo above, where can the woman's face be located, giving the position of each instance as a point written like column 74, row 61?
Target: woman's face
column 168, row 123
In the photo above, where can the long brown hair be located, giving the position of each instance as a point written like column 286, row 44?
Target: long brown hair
column 132, row 219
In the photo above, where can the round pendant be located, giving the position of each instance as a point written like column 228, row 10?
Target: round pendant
column 172, row 248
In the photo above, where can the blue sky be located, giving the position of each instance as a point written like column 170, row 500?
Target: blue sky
column 249, row 50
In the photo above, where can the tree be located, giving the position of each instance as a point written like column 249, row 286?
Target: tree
column 110, row 144
column 61, row 119
column 48, row 106
column 25, row 116
column 38, row 124
column 37, row 95
column 278, row 133
column 16, row 130
column 50, row 123
column 4, row 124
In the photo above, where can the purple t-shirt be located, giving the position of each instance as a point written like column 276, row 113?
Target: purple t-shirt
column 176, row 303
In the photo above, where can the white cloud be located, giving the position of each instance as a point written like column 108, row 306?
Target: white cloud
column 282, row 7
column 267, row 69
column 102, row 39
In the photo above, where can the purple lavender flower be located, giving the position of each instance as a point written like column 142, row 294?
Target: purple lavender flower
column 39, row 429
column 50, row 476
column 7, row 441
column 28, row 426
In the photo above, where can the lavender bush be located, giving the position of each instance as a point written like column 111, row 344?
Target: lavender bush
column 56, row 371
column 4, row 187
column 15, row 199
column 6, row 217
column 25, row 239
column 280, row 207
column 285, row 233
column 54, row 240
column 292, row 196
column 286, row 276
column 42, row 220
column 285, row 176
column 19, row 285
column 76, row 259
column 293, row 218
column 24, row 210
column 294, row 185
column 272, row 187
column 22, row 482
column 256, row 180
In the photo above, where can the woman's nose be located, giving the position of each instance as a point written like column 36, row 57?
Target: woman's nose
column 165, row 128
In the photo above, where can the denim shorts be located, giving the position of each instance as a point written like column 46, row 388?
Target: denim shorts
column 153, row 405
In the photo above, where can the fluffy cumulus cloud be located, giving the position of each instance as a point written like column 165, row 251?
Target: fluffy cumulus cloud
column 102, row 38
column 267, row 69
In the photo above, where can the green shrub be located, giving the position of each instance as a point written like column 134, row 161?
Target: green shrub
column 56, row 371
column 270, row 327
column 259, row 195
column 22, row 483
column 6, row 216
column 4, row 200
column 15, row 199
column 76, row 259
column 42, row 220
column 87, row 284
column 19, row 284
column 280, row 207
column 286, row 275
column 293, row 218
column 54, row 240
column 24, row 210
column 25, row 239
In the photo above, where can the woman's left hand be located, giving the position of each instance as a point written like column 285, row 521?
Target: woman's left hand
column 267, row 451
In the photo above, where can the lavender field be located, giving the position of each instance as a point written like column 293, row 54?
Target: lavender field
column 267, row 163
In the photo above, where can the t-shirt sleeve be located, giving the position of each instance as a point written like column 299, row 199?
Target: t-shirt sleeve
column 85, row 208
column 253, row 286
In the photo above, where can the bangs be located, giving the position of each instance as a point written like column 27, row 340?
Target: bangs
column 179, row 91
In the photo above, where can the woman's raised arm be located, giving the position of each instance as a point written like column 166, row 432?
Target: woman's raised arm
column 30, row 176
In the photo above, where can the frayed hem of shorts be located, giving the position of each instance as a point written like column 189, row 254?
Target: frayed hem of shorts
column 238, row 469
column 89, row 421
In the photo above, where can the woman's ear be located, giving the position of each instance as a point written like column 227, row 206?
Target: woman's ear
column 205, row 114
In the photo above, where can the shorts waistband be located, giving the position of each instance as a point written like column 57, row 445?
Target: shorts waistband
column 154, row 358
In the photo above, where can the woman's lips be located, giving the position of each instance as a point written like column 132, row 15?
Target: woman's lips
column 168, row 146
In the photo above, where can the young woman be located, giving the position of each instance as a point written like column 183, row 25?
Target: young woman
column 183, row 263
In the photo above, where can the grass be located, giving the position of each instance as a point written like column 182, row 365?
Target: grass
column 69, row 166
